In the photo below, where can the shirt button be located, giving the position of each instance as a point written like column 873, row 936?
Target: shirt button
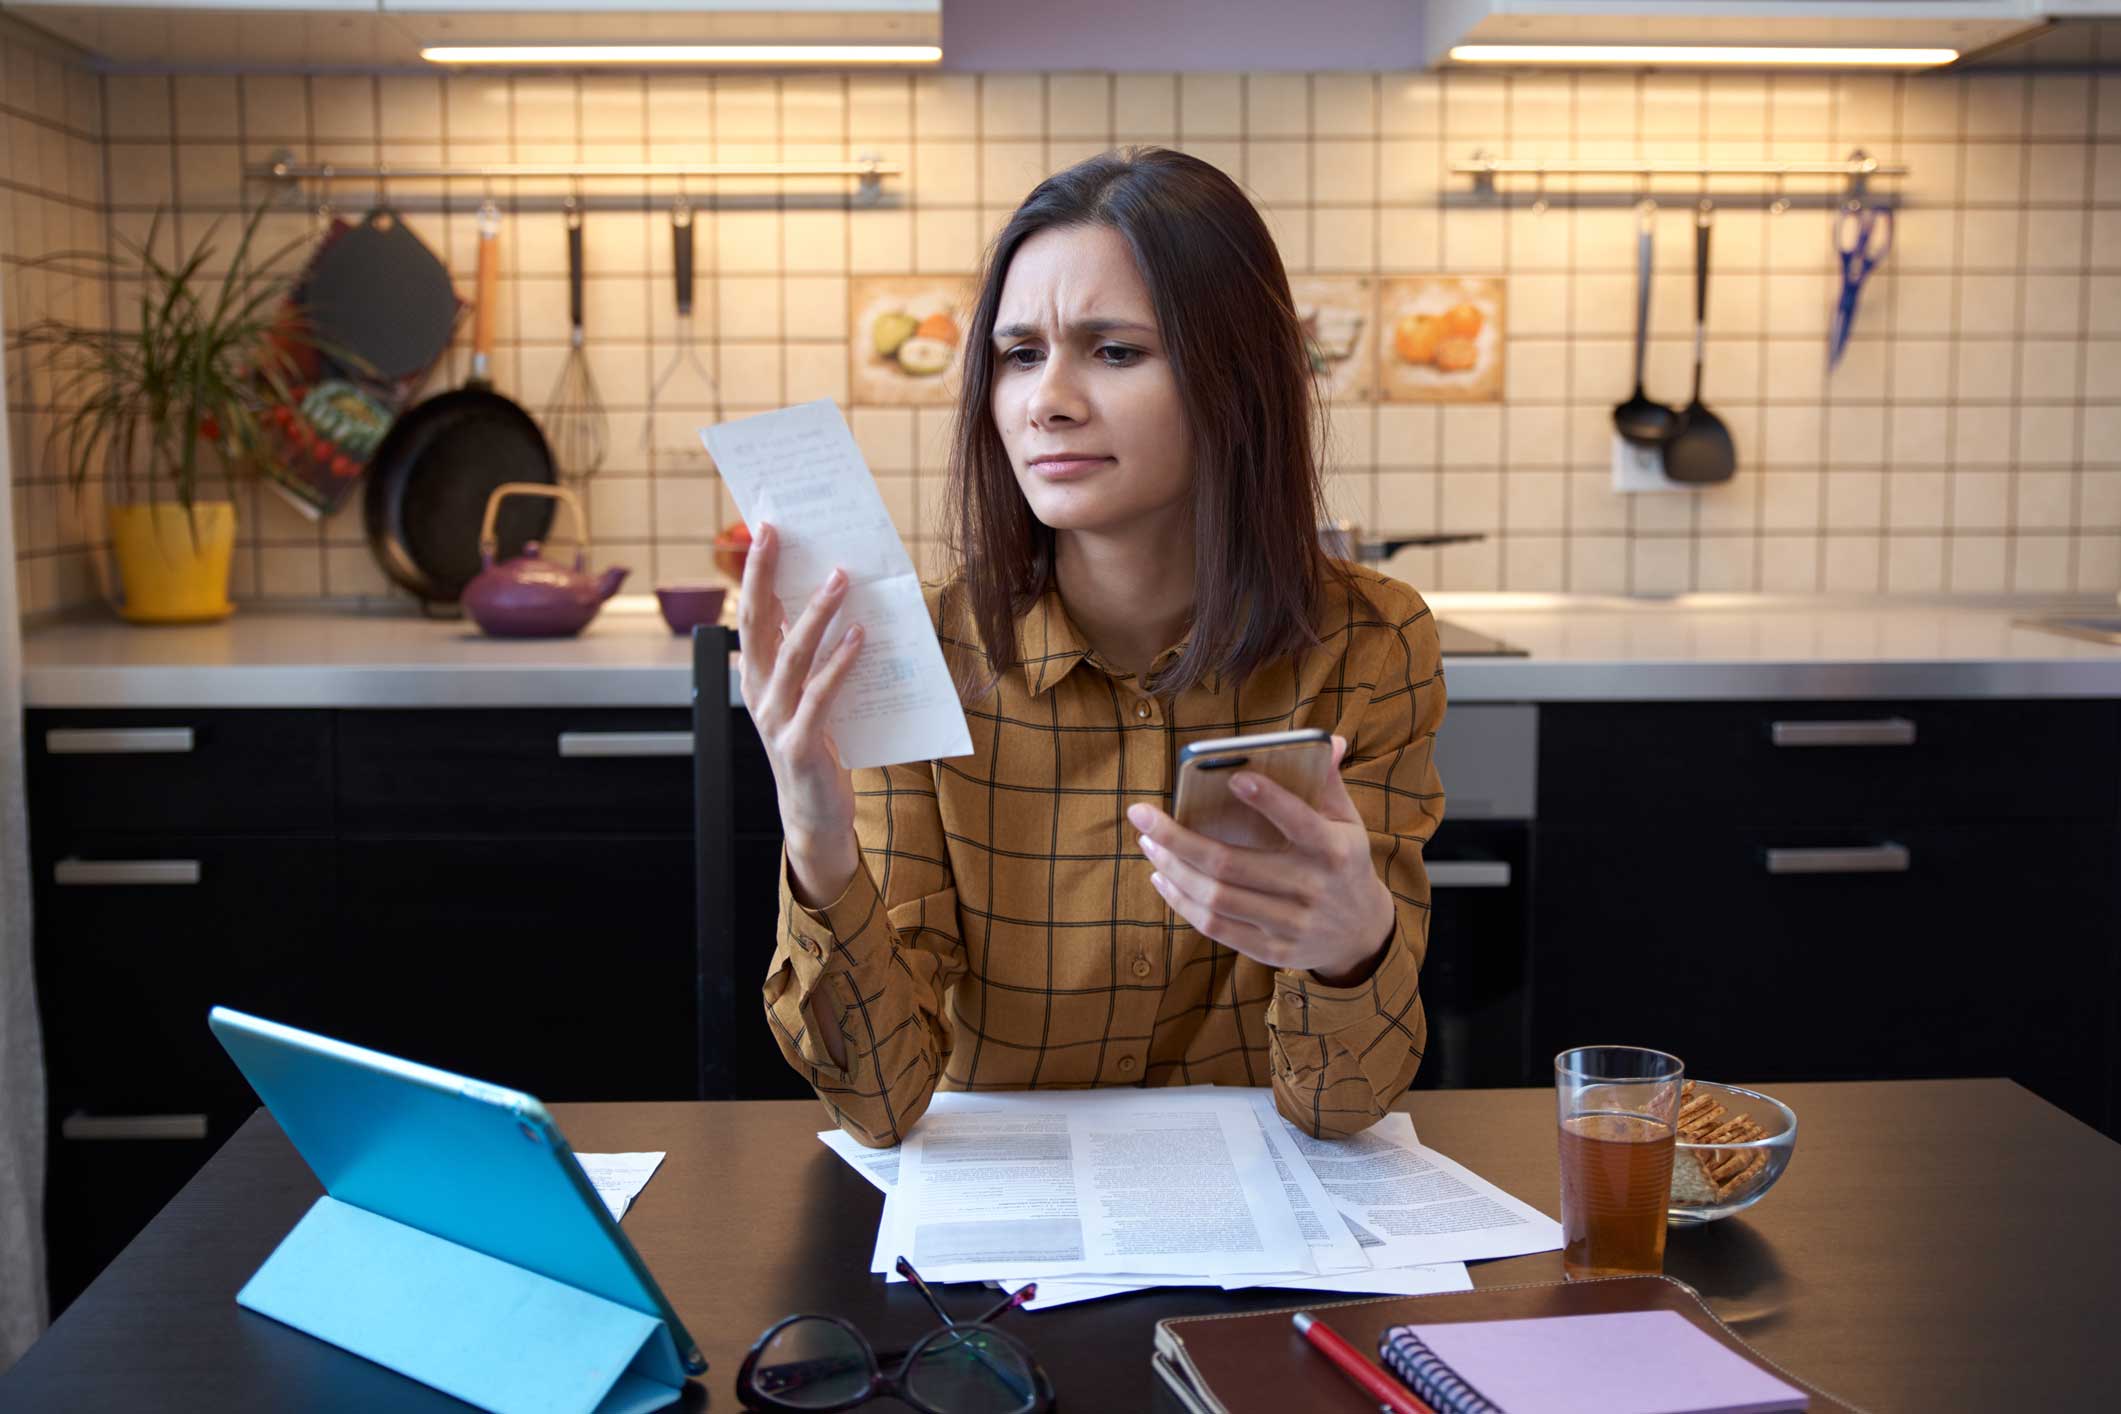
column 1142, row 709
column 1126, row 1065
column 1141, row 967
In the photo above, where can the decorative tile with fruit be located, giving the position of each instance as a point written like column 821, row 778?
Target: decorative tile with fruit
column 907, row 338
column 1440, row 339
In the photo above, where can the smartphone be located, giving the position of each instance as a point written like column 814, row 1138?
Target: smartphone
column 1297, row 761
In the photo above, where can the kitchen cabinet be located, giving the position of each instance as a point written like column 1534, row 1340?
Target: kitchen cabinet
column 1800, row 891
column 505, row 893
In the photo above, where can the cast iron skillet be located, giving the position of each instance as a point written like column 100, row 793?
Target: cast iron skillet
column 429, row 480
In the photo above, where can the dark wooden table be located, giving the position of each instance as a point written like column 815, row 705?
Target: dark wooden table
column 1934, row 1246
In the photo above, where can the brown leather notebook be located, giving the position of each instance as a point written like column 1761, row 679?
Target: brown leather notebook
column 1254, row 1362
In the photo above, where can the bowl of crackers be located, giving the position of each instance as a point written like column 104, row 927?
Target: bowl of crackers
column 1731, row 1146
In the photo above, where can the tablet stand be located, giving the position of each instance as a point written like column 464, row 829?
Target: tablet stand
column 491, row 1333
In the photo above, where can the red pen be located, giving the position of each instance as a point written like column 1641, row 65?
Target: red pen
column 1377, row 1384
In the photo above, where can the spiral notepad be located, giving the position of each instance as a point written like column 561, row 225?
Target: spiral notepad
column 1623, row 1362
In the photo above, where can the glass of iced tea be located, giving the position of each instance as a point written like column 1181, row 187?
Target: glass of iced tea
column 1619, row 1110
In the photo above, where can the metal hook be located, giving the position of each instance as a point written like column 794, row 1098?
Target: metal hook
column 1782, row 200
column 1539, row 194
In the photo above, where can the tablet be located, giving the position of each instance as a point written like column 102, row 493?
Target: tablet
column 480, row 1165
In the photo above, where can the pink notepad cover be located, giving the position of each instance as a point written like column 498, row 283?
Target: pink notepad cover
column 1623, row 1362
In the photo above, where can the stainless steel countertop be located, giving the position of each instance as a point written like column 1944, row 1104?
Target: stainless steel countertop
column 1582, row 648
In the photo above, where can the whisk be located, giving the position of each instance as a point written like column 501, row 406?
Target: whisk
column 574, row 415
column 685, row 355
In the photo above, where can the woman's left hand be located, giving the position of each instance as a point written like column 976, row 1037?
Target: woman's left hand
column 1317, row 904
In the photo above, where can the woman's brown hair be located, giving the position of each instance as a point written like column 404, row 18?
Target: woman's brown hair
column 1238, row 353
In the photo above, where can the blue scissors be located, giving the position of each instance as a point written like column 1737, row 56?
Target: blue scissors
column 1863, row 235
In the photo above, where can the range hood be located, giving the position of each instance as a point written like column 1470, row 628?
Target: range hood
column 1962, row 26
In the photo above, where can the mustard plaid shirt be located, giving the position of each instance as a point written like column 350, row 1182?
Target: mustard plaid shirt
column 1002, row 933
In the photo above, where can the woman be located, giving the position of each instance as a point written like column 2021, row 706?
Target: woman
column 1137, row 498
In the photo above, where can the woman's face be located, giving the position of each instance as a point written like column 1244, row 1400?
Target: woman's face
column 1084, row 397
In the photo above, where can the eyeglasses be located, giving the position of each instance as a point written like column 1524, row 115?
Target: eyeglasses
column 816, row 1364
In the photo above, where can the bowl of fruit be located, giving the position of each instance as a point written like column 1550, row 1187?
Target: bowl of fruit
column 731, row 548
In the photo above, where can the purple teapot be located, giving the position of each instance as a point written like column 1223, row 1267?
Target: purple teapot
column 531, row 596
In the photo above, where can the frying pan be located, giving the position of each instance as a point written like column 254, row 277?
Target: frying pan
column 429, row 480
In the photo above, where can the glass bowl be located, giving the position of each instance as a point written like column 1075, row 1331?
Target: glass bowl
column 1711, row 1181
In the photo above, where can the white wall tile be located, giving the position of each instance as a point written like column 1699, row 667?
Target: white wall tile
column 1210, row 105
column 1009, row 170
column 1410, row 105
column 880, row 106
column 814, row 108
column 343, row 108
column 946, row 241
column 1079, row 106
column 139, row 106
column 945, row 105
column 207, row 108
column 1145, row 107
column 1344, row 105
column 814, row 241
column 2040, row 564
column 1012, row 105
column 1277, row 105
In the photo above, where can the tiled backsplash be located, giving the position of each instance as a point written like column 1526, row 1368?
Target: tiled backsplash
column 1971, row 440
column 51, row 199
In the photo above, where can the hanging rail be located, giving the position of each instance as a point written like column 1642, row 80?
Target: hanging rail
column 1858, row 168
column 870, row 170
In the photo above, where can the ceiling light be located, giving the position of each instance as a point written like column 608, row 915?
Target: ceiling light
column 698, row 54
column 1681, row 55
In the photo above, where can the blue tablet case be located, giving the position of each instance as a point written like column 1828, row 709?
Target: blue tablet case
column 458, row 1241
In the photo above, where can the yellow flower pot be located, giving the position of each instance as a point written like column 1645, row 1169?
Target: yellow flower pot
column 173, row 563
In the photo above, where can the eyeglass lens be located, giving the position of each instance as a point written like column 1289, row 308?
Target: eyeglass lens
column 970, row 1372
column 812, row 1364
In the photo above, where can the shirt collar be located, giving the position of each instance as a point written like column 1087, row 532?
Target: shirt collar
column 1049, row 645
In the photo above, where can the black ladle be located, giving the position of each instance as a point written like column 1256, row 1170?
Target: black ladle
column 1640, row 420
column 1701, row 450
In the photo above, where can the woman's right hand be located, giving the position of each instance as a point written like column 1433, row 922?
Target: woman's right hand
column 788, row 692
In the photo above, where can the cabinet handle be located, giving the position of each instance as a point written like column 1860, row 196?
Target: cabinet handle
column 1469, row 874
column 625, row 743
column 79, row 873
column 1861, row 859
column 126, row 741
column 1884, row 731
column 80, row 1126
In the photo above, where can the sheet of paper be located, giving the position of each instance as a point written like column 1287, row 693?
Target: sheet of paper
column 884, row 1256
column 1069, row 1291
column 1410, row 1205
column 619, row 1178
column 1332, row 1241
column 1114, row 1182
column 879, row 1166
column 1393, row 1281
column 799, row 469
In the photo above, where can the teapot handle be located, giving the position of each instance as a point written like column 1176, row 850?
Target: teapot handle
column 489, row 546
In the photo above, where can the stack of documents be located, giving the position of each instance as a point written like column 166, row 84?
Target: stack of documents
column 1096, row 1192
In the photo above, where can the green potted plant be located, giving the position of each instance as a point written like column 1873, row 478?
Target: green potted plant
column 179, row 405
